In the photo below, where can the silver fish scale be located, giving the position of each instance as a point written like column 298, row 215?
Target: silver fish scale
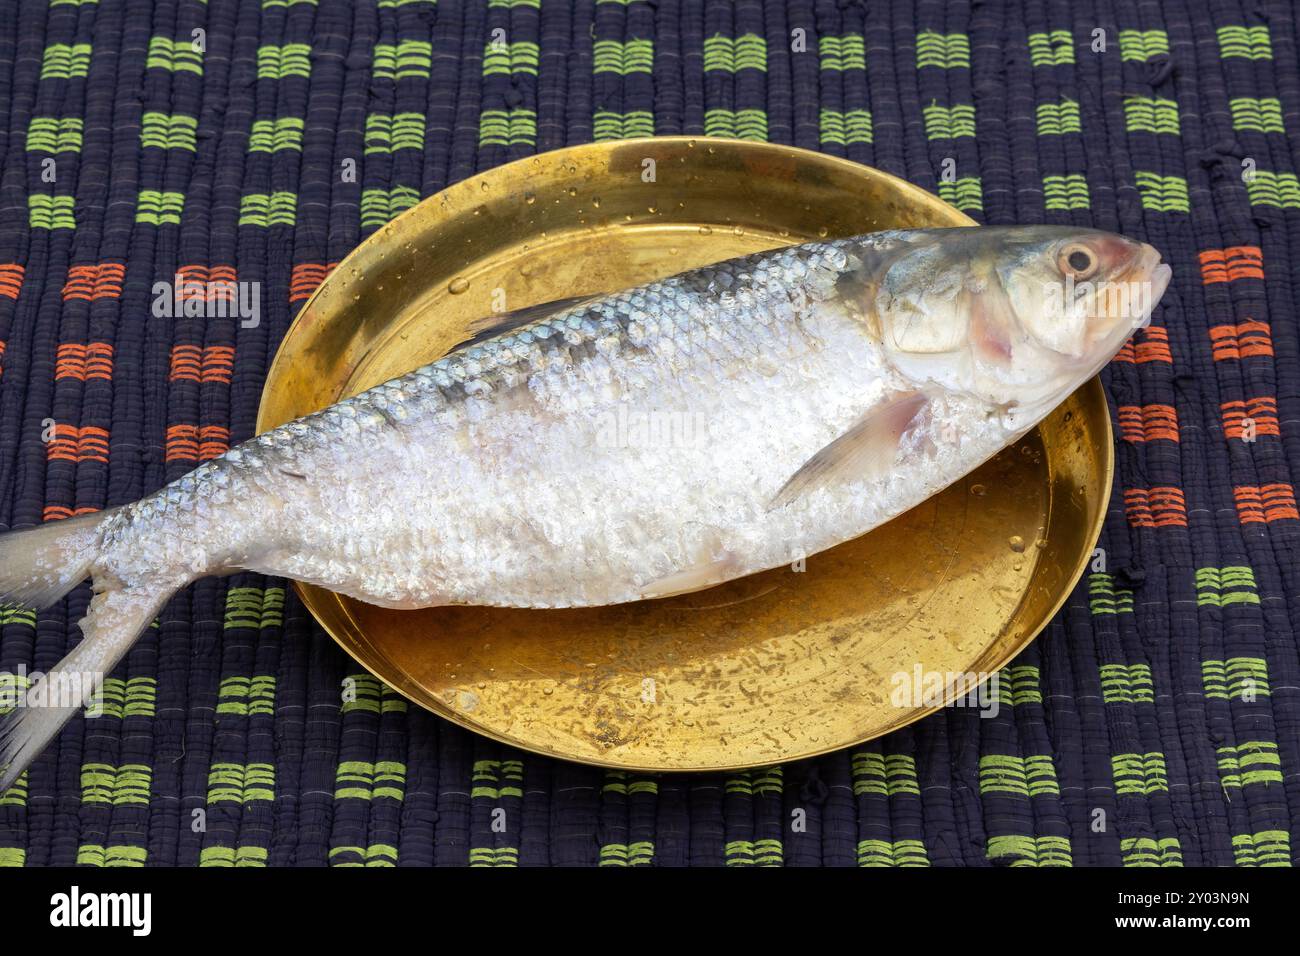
column 516, row 472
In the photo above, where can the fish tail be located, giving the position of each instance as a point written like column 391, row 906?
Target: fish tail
column 37, row 567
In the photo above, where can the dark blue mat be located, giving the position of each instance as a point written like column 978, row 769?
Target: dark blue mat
column 1157, row 722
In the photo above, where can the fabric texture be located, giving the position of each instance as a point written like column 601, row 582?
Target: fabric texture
column 1155, row 722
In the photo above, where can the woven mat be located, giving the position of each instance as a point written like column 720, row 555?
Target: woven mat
column 1156, row 722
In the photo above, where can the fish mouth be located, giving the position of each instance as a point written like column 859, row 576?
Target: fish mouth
column 1150, row 270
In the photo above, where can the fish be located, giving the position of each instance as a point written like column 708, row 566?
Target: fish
column 619, row 447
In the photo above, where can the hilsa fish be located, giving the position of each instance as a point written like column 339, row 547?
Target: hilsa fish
column 812, row 393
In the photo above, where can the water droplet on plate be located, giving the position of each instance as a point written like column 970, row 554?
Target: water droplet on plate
column 978, row 490
column 1017, row 543
column 458, row 285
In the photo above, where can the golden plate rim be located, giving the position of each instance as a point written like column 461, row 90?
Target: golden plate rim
column 1091, row 395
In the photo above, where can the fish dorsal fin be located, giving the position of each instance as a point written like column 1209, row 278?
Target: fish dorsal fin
column 490, row 326
column 866, row 450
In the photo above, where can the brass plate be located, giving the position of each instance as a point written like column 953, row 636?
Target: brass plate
column 772, row 667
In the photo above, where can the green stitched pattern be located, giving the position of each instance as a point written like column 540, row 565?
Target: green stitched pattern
column 244, row 696
column 484, row 778
column 1030, row 776
column 17, row 615
column 1105, row 598
column 174, row 56
column 123, row 698
column 1051, row 49
column 1223, row 587
column 1252, row 43
column 842, row 53
column 1065, row 192
column 884, row 775
column 736, row 124
column 96, row 854
column 1238, row 678
column 409, row 58
column 1142, row 45
column 268, row 209
column 517, row 127
column 159, row 208
column 507, row 58
column 378, row 206
column 634, row 56
column 1144, row 851
column 63, row 61
column 240, row 783
column 945, row 50
column 1274, row 189
column 50, row 212
column 1266, row 848
column 368, row 694
column 948, row 122
column 278, row 62
column 1151, row 114
column 609, row 125
column 385, row 134
column 748, row 52
column 12, row 856
column 1056, row 119
column 362, row 780
column 49, row 135
column 228, row 856
column 1017, row 685
column 885, row 853
column 753, row 853
column 119, row 786
column 1139, row 774
column 1251, row 762
column 1030, row 851
column 269, row 136
column 1259, row 115
column 1162, row 193
column 965, row 193
column 162, row 131
column 16, row 795
column 254, row 608
column 844, row 128
column 1126, row 684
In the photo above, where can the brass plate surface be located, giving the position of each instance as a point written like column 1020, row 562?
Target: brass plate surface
column 776, row 666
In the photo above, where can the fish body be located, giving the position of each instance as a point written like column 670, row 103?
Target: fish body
column 639, row 444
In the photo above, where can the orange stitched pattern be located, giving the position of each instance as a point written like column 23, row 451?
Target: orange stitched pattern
column 84, row 361
column 1159, row 507
column 1253, row 417
column 1235, row 262
column 74, row 444
column 1147, row 345
column 1148, row 422
column 306, row 276
column 1247, row 340
column 1265, row 503
column 11, row 279
column 88, row 283
column 193, row 364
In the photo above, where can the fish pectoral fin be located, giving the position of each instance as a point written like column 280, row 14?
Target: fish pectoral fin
column 991, row 321
column 490, row 326
column 696, row 578
column 866, row 450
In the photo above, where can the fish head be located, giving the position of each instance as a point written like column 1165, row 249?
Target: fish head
column 1017, row 316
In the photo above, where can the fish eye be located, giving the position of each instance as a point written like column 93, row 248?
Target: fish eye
column 1077, row 260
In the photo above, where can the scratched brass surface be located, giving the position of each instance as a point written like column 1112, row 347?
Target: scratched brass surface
column 773, row 667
